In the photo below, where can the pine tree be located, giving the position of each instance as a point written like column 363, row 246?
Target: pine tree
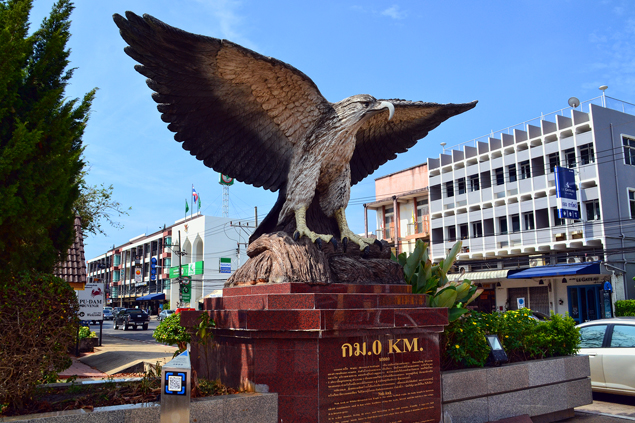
column 40, row 138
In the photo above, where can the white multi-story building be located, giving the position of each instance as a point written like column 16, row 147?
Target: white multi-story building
column 499, row 198
column 212, row 249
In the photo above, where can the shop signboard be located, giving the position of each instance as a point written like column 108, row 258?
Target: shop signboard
column 225, row 265
column 566, row 193
column 91, row 302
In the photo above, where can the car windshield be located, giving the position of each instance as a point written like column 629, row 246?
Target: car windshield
column 134, row 311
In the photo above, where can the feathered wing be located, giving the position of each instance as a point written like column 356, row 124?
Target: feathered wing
column 239, row 112
column 380, row 139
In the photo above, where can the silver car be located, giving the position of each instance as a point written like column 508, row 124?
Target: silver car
column 610, row 345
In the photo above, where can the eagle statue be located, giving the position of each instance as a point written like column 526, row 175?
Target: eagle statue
column 265, row 123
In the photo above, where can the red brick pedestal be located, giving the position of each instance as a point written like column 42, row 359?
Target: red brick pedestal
column 336, row 353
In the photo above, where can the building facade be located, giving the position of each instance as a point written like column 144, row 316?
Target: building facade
column 497, row 196
column 401, row 203
column 145, row 271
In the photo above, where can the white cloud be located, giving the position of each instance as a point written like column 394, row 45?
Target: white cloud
column 229, row 20
column 394, row 12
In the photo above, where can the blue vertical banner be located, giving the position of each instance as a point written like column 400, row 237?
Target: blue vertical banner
column 566, row 193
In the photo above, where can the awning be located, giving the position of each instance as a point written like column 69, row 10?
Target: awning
column 479, row 276
column 557, row 270
column 151, row 297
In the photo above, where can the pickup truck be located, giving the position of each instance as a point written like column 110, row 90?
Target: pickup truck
column 131, row 318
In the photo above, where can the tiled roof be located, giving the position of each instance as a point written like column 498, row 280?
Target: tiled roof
column 73, row 270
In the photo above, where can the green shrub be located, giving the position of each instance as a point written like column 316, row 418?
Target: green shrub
column 463, row 342
column 432, row 280
column 170, row 332
column 38, row 323
column 625, row 308
column 85, row 332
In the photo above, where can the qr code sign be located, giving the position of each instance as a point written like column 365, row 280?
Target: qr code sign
column 174, row 383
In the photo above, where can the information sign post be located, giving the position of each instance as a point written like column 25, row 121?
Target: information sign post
column 175, row 389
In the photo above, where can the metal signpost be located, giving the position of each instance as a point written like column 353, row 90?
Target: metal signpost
column 176, row 376
column 91, row 305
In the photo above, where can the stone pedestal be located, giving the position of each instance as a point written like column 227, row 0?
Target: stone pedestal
column 334, row 353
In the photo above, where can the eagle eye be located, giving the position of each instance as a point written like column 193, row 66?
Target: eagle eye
column 365, row 103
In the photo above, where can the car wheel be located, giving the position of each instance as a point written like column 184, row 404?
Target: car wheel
column 125, row 325
column 145, row 327
column 114, row 325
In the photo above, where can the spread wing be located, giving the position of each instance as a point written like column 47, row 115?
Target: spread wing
column 239, row 112
column 380, row 139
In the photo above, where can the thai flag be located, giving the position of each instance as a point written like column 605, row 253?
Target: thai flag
column 194, row 194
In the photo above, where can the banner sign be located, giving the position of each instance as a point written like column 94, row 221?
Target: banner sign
column 225, row 265
column 91, row 302
column 188, row 269
column 566, row 193
column 186, row 290
column 137, row 274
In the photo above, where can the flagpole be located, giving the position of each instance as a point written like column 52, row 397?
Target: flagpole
column 191, row 196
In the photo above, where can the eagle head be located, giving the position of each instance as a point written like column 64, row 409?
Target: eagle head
column 360, row 107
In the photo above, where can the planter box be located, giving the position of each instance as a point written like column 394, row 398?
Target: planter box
column 88, row 344
column 547, row 390
column 240, row 408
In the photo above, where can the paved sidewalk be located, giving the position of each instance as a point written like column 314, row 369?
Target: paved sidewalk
column 118, row 355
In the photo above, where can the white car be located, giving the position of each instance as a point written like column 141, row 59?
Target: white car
column 610, row 345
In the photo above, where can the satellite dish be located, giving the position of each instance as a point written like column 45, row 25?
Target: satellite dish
column 574, row 102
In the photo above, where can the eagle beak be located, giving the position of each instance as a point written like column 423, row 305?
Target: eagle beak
column 387, row 105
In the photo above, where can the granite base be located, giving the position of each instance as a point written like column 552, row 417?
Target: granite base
column 334, row 353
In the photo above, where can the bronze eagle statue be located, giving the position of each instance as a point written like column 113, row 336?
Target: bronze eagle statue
column 265, row 123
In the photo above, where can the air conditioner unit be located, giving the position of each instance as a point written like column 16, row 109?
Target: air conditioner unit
column 465, row 268
column 574, row 260
column 593, row 258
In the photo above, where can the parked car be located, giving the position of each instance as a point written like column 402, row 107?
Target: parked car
column 610, row 345
column 164, row 314
column 131, row 318
column 180, row 309
column 108, row 313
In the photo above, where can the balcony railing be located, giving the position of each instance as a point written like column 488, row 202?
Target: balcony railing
column 418, row 228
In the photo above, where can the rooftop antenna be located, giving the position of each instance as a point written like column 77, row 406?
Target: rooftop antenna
column 603, row 89
column 574, row 102
column 443, row 144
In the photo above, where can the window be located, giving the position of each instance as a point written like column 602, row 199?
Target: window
column 554, row 160
column 449, row 189
column 474, row 183
column 586, row 154
column 168, row 241
column 569, row 157
column 515, row 223
column 460, row 185
column 629, row 150
column 511, row 169
column 167, row 262
column 592, row 336
column 631, row 202
column 451, row 233
column 463, row 231
column 500, row 176
column 477, row 229
column 528, row 221
column 623, row 336
column 525, row 170
column 502, row 224
column 557, row 221
column 592, row 210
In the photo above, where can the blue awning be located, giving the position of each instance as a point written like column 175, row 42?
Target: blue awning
column 151, row 297
column 557, row 270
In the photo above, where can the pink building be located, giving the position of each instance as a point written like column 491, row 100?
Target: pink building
column 401, row 203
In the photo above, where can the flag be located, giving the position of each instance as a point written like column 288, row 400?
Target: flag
column 199, row 204
column 187, row 208
column 194, row 194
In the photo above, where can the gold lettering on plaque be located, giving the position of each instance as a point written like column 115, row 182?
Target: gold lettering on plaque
column 392, row 347
column 350, row 350
column 359, row 351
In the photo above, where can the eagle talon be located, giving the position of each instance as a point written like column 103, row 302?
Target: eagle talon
column 296, row 235
column 318, row 242
column 344, row 243
column 366, row 252
column 379, row 244
column 334, row 242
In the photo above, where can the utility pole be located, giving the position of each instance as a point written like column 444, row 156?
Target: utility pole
column 256, row 215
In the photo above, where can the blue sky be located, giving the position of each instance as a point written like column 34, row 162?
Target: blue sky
column 518, row 58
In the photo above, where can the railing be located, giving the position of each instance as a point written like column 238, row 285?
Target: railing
column 603, row 101
column 418, row 228
column 385, row 233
